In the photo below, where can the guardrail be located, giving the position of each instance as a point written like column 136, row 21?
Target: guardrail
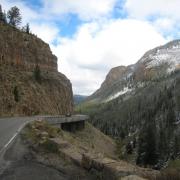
column 65, row 119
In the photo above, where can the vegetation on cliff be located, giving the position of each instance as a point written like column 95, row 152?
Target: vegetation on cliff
column 30, row 81
column 13, row 18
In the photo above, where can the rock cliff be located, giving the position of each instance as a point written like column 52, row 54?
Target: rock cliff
column 30, row 83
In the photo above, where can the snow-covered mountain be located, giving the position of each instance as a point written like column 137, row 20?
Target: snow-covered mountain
column 168, row 54
column 154, row 64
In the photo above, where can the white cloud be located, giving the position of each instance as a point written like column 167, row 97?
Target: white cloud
column 164, row 24
column 47, row 32
column 95, row 48
column 102, row 43
column 85, row 9
column 146, row 8
column 163, row 14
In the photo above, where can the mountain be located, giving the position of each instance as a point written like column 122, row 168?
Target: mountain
column 30, row 82
column 140, row 105
column 156, row 63
column 78, row 98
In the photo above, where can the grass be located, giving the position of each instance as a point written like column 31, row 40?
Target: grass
column 174, row 164
column 86, row 107
column 39, row 133
column 172, row 172
column 169, row 174
column 91, row 140
column 50, row 146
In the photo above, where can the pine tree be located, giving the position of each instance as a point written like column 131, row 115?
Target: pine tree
column 27, row 30
column 151, row 151
column 1, row 14
column 147, row 145
column 176, row 146
column 16, row 94
column 37, row 74
column 14, row 16
column 5, row 17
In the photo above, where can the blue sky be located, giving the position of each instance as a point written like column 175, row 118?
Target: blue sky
column 89, row 37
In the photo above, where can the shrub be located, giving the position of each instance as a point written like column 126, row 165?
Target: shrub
column 50, row 146
column 16, row 94
column 169, row 174
column 37, row 74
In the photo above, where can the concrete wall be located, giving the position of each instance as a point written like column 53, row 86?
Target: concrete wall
column 71, row 124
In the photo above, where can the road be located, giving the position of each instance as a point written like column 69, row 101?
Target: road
column 9, row 128
column 13, row 165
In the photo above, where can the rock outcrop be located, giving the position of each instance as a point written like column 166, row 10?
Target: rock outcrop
column 30, row 82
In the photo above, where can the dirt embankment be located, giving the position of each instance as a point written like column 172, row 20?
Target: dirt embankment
column 46, row 152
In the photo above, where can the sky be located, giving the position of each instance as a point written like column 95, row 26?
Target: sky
column 90, row 37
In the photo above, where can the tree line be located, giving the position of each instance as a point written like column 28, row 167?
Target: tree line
column 13, row 18
column 150, row 116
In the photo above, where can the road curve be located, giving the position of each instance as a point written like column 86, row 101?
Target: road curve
column 9, row 128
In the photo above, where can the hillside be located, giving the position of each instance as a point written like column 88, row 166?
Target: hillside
column 86, row 154
column 142, row 106
column 78, row 99
column 30, row 82
column 154, row 64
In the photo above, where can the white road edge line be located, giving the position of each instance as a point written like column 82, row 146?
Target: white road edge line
column 14, row 136
column 10, row 140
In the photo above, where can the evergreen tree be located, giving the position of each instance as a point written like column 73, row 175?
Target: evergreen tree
column 147, row 145
column 5, row 17
column 170, row 118
column 163, row 144
column 1, row 14
column 27, row 28
column 14, row 16
column 16, row 94
column 37, row 74
column 176, row 146
column 151, row 150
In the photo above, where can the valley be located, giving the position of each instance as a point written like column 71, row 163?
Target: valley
column 140, row 104
column 128, row 129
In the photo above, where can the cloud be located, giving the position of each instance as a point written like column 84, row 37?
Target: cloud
column 95, row 49
column 100, row 42
column 145, row 8
column 165, row 25
column 47, row 32
column 85, row 9
column 163, row 14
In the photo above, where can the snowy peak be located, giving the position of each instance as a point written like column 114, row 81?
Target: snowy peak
column 156, row 63
column 168, row 54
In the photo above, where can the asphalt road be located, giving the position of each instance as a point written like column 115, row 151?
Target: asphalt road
column 13, row 166
column 9, row 128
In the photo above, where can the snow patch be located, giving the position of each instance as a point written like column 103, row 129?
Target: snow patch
column 169, row 56
column 140, row 84
column 114, row 96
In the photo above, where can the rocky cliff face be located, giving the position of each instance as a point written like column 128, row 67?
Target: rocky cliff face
column 30, row 83
column 155, row 64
